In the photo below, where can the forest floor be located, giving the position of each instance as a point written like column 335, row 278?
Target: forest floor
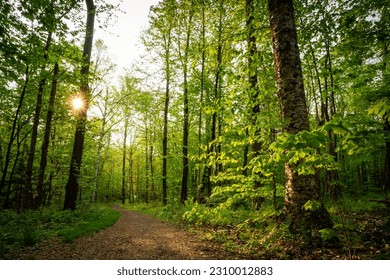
column 134, row 236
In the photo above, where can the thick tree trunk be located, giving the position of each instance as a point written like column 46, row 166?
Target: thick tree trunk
column 46, row 138
column 72, row 187
column 299, row 189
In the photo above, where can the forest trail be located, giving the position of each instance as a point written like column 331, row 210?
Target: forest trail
column 134, row 236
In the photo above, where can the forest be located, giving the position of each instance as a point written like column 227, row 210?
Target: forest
column 264, row 126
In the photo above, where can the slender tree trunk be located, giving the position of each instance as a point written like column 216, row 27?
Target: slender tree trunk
column 124, row 163
column 131, row 174
column 167, row 40
column 72, row 187
column 34, row 133
column 184, row 180
column 386, row 117
column 206, row 182
column 245, row 157
column 138, row 178
column 386, row 183
column 1, row 157
column 146, row 162
column 334, row 189
column 46, row 138
column 152, row 185
column 13, row 130
column 11, row 176
column 253, row 83
column 99, row 149
column 299, row 189
column 199, row 188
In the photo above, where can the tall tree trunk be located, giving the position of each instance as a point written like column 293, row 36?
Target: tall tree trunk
column 199, row 188
column 207, row 172
column 386, row 183
column 245, row 156
column 253, row 88
column 34, row 133
column 1, row 156
column 131, row 174
column 72, row 187
column 386, row 117
column 334, row 188
column 184, row 180
column 46, row 138
column 167, row 40
column 11, row 176
column 146, row 162
column 124, row 162
column 152, row 185
column 99, row 149
column 299, row 189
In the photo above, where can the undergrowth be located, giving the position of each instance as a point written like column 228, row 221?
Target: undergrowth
column 30, row 227
column 359, row 232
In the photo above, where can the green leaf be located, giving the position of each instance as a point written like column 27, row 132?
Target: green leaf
column 312, row 205
column 327, row 234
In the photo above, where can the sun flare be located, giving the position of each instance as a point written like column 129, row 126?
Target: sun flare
column 77, row 103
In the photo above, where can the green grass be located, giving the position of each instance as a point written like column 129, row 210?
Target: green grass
column 104, row 218
column 357, row 204
column 29, row 228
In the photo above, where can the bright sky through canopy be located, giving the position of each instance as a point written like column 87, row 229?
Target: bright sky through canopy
column 122, row 36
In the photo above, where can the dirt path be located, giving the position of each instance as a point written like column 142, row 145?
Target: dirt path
column 134, row 236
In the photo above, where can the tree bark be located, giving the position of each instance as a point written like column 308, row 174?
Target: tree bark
column 253, row 88
column 151, row 164
column 386, row 183
column 46, row 138
column 184, row 180
column 206, row 187
column 299, row 189
column 199, row 188
column 72, row 187
column 131, row 173
column 124, row 163
column 167, row 40
column 100, row 144
column 146, row 161
column 34, row 133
